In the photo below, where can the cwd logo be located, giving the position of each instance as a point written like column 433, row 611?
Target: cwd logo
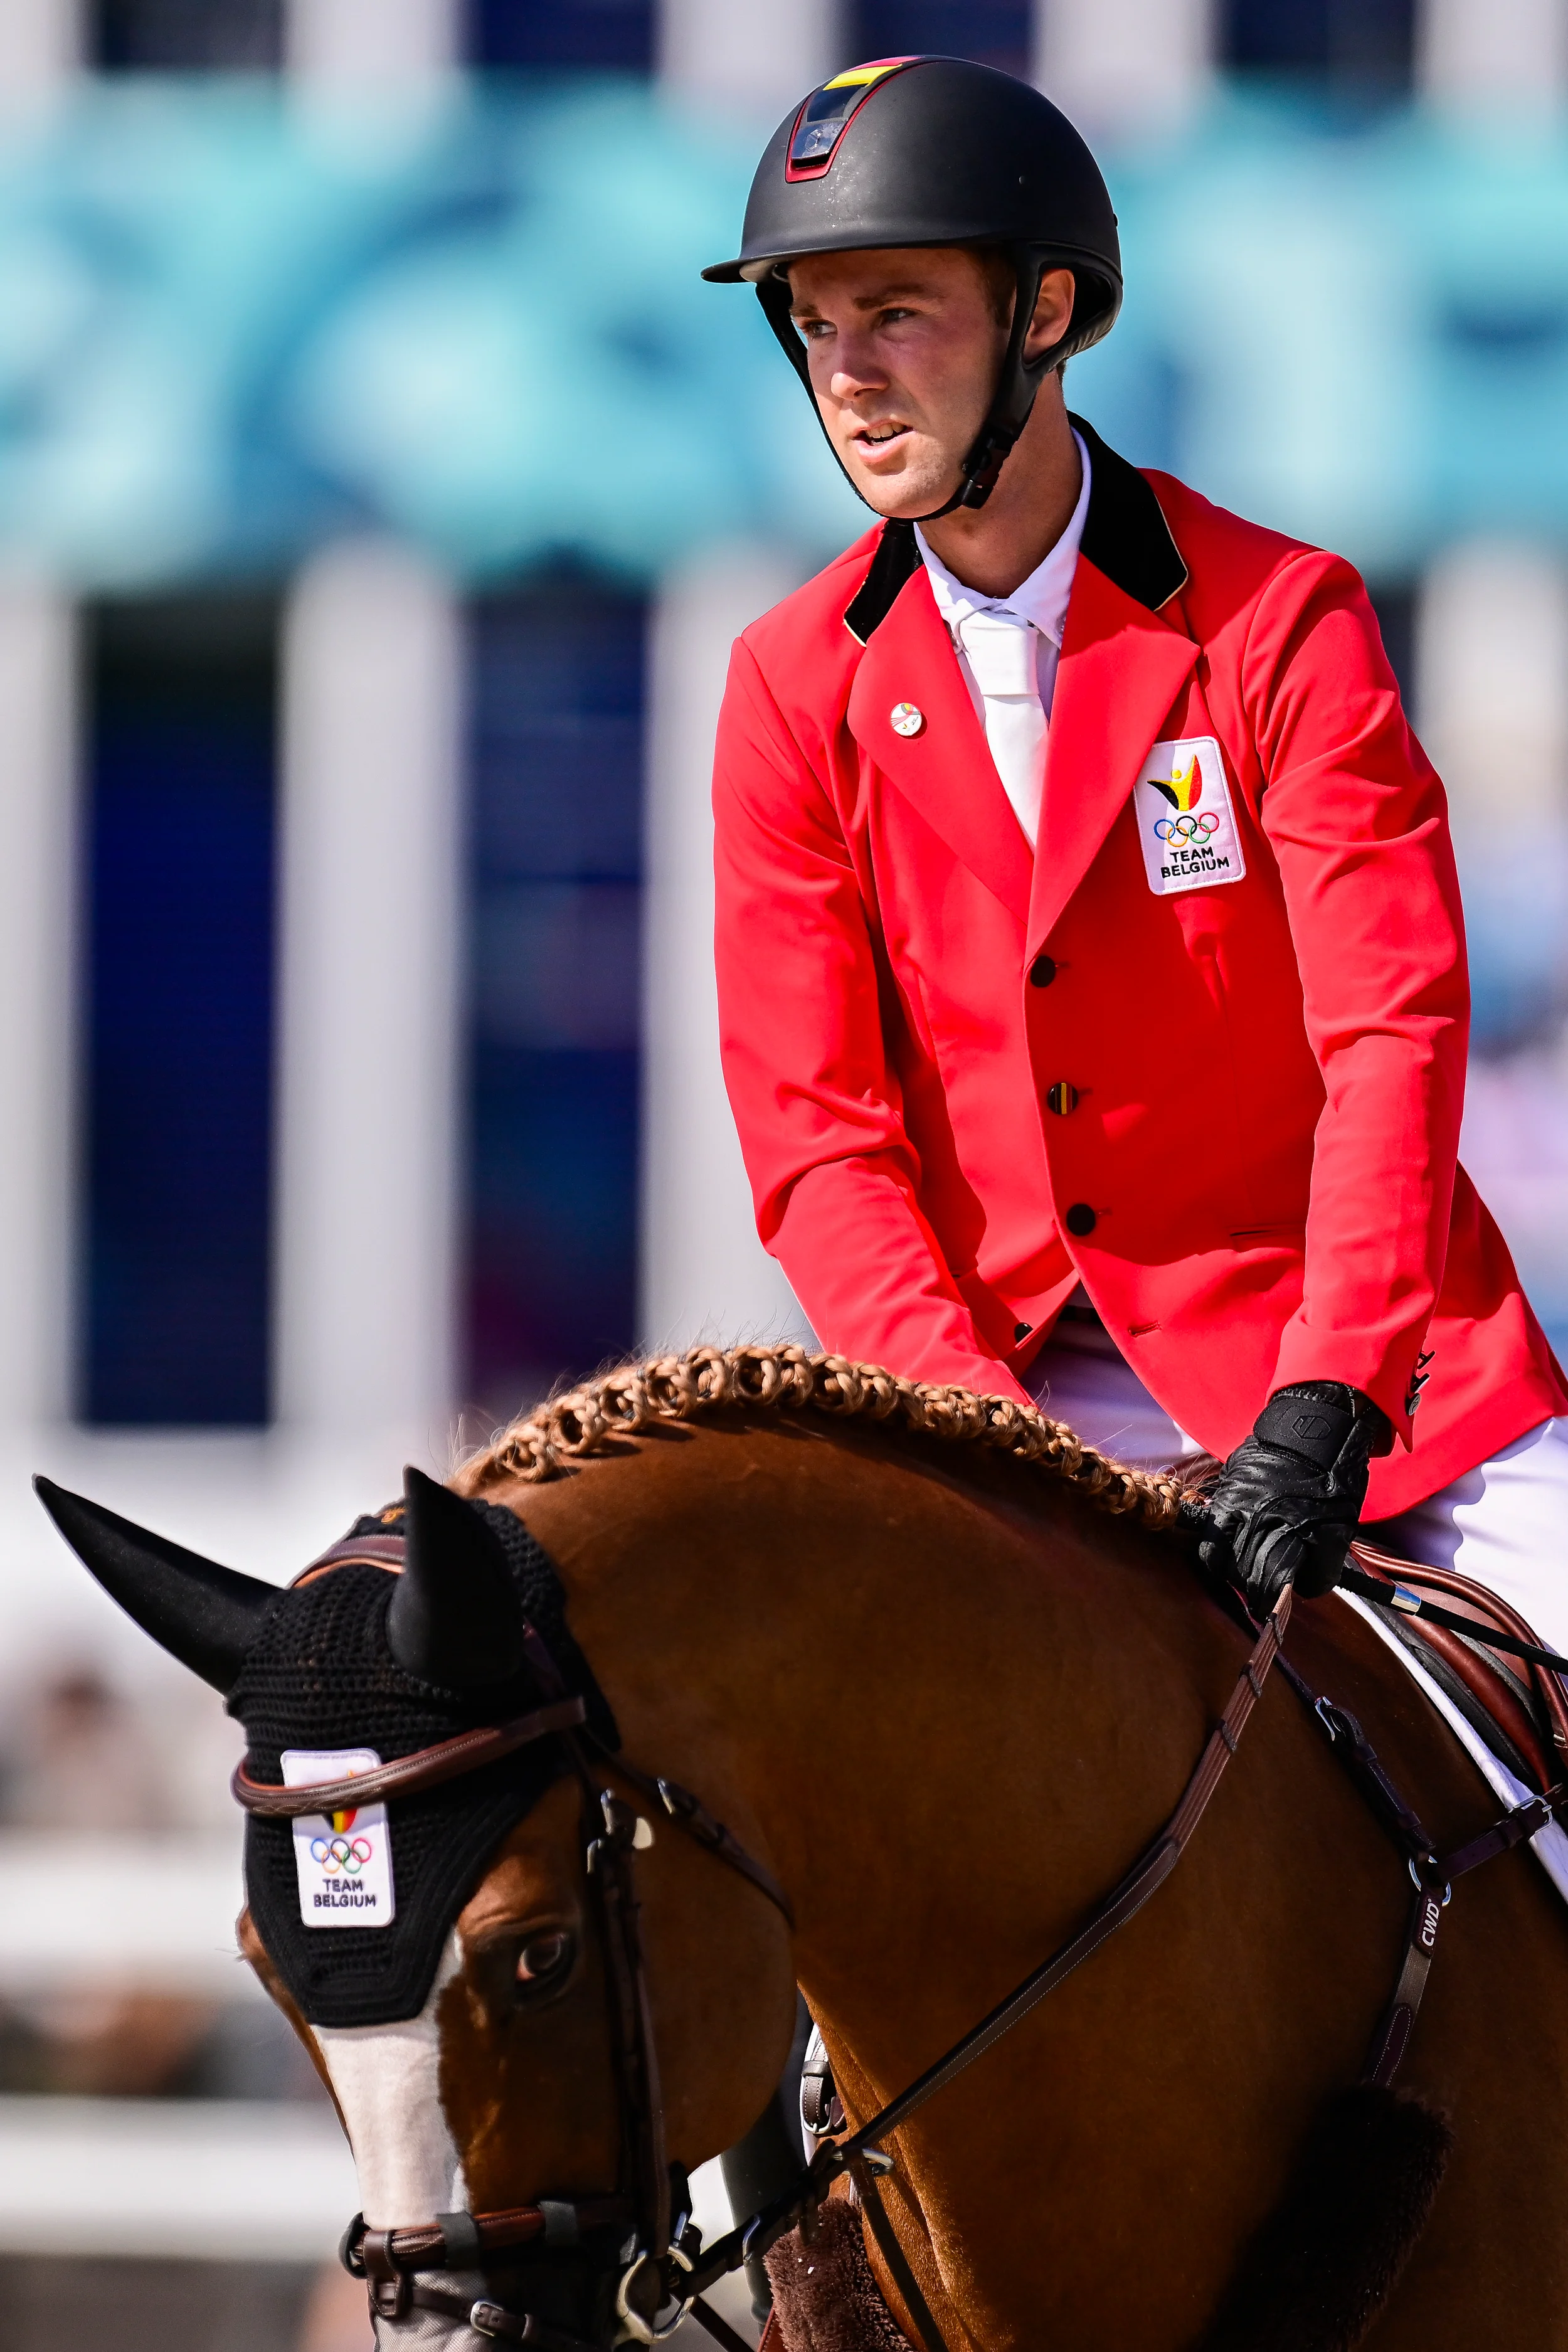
column 1186, row 823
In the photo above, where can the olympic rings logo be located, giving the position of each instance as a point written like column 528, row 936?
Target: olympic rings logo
column 1186, row 828
column 347, row 1854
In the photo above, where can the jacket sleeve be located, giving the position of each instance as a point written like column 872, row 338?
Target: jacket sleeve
column 1358, row 821
column 834, row 1176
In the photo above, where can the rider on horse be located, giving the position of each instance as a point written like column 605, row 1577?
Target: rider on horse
column 1092, row 965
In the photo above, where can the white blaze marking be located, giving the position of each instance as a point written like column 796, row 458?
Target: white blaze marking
column 387, row 2079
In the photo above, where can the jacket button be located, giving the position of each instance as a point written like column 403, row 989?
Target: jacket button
column 1081, row 1219
column 905, row 720
column 1022, row 1330
column 1061, row 1098
column 1042, row 971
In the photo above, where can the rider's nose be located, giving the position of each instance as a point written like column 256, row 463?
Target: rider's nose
column 847, row 382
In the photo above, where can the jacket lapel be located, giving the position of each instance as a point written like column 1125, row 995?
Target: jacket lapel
column 946, row 770
column 1121, row 668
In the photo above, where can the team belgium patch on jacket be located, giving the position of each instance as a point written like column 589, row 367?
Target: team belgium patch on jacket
column 1186, row 821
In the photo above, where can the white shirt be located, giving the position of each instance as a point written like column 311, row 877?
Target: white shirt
column 1008, row 647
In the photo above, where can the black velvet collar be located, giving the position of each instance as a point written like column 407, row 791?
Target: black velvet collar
column 1125, row 535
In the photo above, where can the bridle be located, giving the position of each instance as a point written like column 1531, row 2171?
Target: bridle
column 640, row 2238
column 640, row 2244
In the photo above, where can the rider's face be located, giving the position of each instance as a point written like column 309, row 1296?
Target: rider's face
column 904, row 345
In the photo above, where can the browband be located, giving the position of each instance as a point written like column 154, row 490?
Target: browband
column 426, row 1769
column 362, row 1551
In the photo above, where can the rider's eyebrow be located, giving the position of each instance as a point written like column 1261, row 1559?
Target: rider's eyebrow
column 876, row 300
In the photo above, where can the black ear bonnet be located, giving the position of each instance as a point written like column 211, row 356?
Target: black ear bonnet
column 319, row 1674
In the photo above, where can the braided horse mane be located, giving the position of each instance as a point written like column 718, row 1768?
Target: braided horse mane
column 586, row 1421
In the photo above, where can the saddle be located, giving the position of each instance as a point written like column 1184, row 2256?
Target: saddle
column 1519, row 1710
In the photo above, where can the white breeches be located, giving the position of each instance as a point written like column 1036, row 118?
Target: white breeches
column 1081, row 1377
column 1505, row 1523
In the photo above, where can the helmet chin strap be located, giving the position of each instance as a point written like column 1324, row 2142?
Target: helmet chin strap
column 1019, row 381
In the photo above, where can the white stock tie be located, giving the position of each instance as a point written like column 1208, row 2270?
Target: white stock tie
column 1002, row 651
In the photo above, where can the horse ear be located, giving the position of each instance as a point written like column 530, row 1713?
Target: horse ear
column 204, row 1615
column 456, row 1616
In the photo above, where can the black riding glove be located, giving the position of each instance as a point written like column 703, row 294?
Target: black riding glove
column 1285, row 1506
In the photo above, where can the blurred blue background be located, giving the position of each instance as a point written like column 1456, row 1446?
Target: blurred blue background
column 229, row 332
column 235, row 328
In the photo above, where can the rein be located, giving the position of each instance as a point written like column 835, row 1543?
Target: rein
column 1123, row 1903
column 860, row 2154
column 644, row 2237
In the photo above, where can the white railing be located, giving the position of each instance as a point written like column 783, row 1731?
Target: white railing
column 147, row 1914
column 219, row 2180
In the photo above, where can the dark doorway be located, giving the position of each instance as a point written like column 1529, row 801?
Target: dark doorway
column 556, row 694
column 1394, row 602
column 614, row 33
column 992, row 32
column 210, row 36
column 180, row 758
column 1347, row 45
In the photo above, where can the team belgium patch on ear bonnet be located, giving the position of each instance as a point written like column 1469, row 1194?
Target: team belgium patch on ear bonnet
column 356, row 1661
column 321, row 1677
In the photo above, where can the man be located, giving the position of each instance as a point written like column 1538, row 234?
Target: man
column 1092, row 969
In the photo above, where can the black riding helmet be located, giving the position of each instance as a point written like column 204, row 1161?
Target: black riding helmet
column 936, row 151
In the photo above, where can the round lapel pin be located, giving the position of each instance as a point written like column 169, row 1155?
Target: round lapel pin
column 905, row 720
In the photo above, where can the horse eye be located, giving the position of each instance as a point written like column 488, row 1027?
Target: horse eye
column 542, row 1959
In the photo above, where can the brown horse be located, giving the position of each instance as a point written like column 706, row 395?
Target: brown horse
column 946, row 1696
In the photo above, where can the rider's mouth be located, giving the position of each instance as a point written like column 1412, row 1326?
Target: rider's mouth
column 874, row 442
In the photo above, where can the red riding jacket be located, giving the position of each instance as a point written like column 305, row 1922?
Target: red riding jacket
column 1204, row 1051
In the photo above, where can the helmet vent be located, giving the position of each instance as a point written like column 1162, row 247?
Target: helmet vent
column 829, row 112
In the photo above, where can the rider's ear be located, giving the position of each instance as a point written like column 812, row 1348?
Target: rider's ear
column 456, row 1616
column 204, row 1615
